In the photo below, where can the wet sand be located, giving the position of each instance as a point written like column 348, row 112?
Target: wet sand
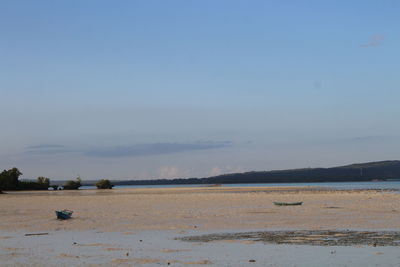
column 145, row 227
column 160, row 248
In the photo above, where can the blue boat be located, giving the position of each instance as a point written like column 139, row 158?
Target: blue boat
column 64, row 214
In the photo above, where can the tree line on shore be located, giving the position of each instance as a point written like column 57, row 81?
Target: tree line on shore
column 359, row 172
column 9, row 181
column 370, row 171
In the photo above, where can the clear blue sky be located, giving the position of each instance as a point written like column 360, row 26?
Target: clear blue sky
column 163, row 89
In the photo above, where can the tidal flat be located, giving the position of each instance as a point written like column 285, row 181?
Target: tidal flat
column 225, row 227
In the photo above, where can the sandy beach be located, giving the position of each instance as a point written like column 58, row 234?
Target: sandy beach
column 123, row 217
column 201, row 208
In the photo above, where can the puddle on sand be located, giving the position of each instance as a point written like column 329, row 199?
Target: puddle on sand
column 163, row 248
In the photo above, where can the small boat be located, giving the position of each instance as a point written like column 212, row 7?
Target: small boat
column 64, row 214
column 288, row 203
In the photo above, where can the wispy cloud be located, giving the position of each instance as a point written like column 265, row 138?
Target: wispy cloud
column 374, row 40
column 361, row 140
column 45, row 146
column 47, row 149
column 369, row 138
column 154, row 149
column 374, row 138
column 137, row 150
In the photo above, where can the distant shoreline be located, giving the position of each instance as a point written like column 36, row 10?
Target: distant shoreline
column 361, row 172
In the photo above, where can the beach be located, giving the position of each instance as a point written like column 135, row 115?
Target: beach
column 204, row 208
column 126, row 216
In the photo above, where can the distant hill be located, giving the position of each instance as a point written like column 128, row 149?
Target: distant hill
column 381, row 170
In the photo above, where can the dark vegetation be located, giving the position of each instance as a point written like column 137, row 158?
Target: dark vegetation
column 104, row 184
column 382, row 170
column 9, row 180
column 42, row 183
column 73, row 184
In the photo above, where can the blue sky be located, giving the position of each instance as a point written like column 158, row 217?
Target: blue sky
column 163, row 89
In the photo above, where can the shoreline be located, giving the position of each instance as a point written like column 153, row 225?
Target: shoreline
column 205, row 189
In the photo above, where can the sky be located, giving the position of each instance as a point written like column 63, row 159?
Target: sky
column 174, row 89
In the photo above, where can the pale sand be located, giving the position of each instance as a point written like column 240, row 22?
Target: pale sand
column 143, row 227
column 209, row 208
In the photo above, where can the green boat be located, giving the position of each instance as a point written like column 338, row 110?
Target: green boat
column 64, row 214
column 288, row 203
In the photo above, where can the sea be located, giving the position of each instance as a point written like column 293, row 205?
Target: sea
column 395, row 185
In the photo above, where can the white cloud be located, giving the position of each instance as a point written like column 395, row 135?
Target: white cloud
column 216, row 171
column 375, row 40
column 169, row 172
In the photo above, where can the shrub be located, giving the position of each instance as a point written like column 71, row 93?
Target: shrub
column 45, row 182
column 73, row 184
column 104, row 184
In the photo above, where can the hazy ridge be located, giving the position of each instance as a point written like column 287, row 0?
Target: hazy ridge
column 380, row 170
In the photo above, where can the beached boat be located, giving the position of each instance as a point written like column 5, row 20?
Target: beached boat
column 64, row 214
column 288, row 203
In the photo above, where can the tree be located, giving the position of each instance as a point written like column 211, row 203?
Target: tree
column 104, row 184
column 73, row 184
column 43, row 180
column 9, row 179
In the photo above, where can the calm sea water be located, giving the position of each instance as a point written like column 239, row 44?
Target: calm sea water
column 336, row 185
